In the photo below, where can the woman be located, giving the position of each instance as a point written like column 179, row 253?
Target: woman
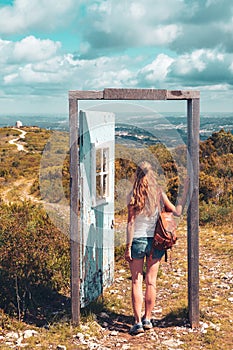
column 142, row 216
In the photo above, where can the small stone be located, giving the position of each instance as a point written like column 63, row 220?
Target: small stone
column 93, row 345
column 214, row 326
column 29, row 333
column 119, row 279
column 125, row 346
column 204, row 326
column 157, row 311
column 79, row 336
column 113, row 291
column 13, row 335
column 223, row 286
column 9, row 343
column 114, row 333
column 61, row 347
column 173, row 343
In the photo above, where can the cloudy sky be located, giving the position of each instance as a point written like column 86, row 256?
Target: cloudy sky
column 48, row 47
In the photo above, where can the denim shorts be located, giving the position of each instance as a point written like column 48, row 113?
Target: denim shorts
column 142, row 246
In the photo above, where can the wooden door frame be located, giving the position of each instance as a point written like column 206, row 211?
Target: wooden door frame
column 193, row 124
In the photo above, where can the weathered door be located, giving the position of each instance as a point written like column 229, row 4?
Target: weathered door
column 96, row 147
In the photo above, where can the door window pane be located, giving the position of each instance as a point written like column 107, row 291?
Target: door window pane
column 102, row 173
column 98, row 161
column 98, row 188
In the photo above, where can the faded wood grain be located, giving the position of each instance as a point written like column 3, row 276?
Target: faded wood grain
column 74, row 227
column 193, row 212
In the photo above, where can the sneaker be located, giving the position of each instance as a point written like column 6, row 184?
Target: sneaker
column 136, row 329
column 146, row 324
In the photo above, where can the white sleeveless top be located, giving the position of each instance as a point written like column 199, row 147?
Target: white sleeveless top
column 144, row 225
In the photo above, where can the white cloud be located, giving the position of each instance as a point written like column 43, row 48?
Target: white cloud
column 157, row 70
column 121, row 24
column 189, row 62
column 137, row 10
column 107, row 29
column 32, row 49
column 26, row 15
column 198, row 60
column 217, row 87
column 5, row 50
column 180, row 25
column 10, row 78
column 212, row 2
column 29, row 49
column 47, row 72
column 161, row 35
column 66, row 72
column 203, row 68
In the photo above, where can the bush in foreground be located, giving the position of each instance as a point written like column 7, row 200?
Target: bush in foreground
column 34, row 258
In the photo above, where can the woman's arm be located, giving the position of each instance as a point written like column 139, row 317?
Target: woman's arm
column 177, row 210
column 129, row 232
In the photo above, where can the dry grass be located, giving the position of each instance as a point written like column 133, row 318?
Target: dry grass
column 106, row 322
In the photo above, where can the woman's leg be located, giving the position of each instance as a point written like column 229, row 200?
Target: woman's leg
column 136, row 268
column 151, row 277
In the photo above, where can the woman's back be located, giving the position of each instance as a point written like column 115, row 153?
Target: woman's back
column 144, row 225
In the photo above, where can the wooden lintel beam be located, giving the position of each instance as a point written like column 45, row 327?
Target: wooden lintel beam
column 86, row 95
column 134, row 94
column 182, row 94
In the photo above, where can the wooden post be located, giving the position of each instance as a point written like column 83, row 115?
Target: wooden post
column 193, row 211
column 74, row 224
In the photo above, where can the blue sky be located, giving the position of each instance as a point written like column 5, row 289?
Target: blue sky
column 48, row 47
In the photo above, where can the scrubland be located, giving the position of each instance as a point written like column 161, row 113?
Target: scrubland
column 35, row 257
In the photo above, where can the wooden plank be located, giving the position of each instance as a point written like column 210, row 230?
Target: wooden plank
column 182, row 94
column 86, row 95
column 135, row 94
column 193, row 212
column 74, row 224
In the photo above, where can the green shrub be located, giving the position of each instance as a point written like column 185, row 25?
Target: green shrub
column 34, row 256
column 215, row 214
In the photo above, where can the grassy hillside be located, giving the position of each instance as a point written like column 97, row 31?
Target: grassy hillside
column 35, row 251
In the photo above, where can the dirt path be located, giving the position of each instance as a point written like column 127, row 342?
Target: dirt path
column 19, row 146
column 171, row 326
column 20, row 189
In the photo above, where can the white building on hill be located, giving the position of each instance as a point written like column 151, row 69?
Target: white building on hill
column 18, row 124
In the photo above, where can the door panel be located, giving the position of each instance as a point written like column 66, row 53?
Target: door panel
column 97, row 139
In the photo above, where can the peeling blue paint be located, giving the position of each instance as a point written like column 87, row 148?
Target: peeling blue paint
column 97, row 132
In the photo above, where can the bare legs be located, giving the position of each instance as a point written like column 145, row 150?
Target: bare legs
column 151, row 277
column 136, row 268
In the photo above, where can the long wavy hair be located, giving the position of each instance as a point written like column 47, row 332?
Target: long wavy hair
column 145, row 193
